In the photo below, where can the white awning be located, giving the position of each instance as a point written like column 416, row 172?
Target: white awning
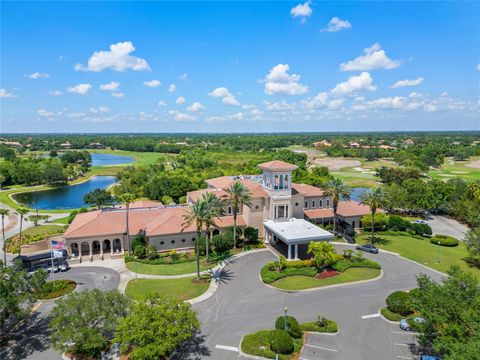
column 297, row 231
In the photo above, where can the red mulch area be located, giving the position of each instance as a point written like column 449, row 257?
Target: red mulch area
column 326, row 274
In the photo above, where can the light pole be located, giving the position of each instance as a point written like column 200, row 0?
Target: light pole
column 285, row 309
column 438, row 252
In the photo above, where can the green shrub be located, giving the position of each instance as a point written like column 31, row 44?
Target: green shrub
column 348, row 254
column 390, row 315
column 343, row 265
column 293, row 327
column 399, row 302
column 329, row 326
column 269, row 274
column 250, row 234
column 56, row 288
column 139, row 251
column 222, row 242
column 381, row 221
column 152, row 252
column 281, row 342
column 444, row 240
column 421, row 229
column 138, row 240
column 397, row 223
column 295, row 263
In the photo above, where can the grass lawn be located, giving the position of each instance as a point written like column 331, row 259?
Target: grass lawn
column 259, row 344
column 300, row 282
column 189, row 267
column 182, row 289
column 63, row 221
column 456, row 169
column 140, row 158
column 423, row 252
column 27, row 234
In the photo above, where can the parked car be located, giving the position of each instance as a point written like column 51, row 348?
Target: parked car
column 405, row 325
column 368, row 248
column 56, row 269
column 64, row 267
column 429, row 357
column 419, row 222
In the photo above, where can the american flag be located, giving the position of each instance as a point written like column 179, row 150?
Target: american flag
column 57, row 245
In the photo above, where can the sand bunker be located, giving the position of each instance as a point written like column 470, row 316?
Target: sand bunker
column 474, row 164
column 337, row 163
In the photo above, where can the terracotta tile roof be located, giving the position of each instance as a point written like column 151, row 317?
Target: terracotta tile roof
column 155, row 221
column 277, row 165
column 307, row 190
column 143, row 204
column 221, row 182
column 353, row 208
column 224, row 182
column 318, row 213
column 196, row 195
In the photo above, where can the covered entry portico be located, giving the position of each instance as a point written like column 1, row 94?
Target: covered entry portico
column 293, row 232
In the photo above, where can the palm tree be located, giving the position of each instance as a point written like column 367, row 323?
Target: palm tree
column 216, row 208
column 338, row 190
column 22, row 212
column 3, row 213
column 237, row 195
column 374, row 198
column 127, row 199
column 197, row 215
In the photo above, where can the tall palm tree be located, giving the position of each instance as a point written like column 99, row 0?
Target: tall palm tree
column 237, row 195
column 197, row 215
column 3, row 213
column 127, row 199
column 338, row 190
column 22, row 212
column 216, row 208
column 374, row 198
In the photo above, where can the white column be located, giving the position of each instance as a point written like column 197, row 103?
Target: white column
column 289, row 252
column 296, row 251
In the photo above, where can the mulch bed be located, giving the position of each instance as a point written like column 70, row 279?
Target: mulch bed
column 326, row 274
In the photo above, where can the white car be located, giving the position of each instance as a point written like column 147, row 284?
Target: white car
column 419, row 222
column 64, row 267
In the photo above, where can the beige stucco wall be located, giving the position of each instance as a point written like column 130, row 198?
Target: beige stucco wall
column 317, row 200
column 176, row 238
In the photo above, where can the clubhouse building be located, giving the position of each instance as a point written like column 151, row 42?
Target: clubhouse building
column 285, row 213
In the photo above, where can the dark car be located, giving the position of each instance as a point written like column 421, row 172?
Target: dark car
column 368, row 248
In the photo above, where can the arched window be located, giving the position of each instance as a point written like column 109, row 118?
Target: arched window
column 276, row 182
column 286, row 182
column 281, row 182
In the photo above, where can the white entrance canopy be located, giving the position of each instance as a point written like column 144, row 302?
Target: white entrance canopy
column 294, row 232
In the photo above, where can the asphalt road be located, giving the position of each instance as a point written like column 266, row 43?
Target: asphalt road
column 38, row 346
column 448, row 226
column 243, row 304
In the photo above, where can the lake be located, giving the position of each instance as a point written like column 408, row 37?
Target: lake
column 63, row 197
column 110, row 159
column 357, row 192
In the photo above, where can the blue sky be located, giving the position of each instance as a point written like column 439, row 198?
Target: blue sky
column 239, row 66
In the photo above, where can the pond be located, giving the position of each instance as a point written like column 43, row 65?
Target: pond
column 357, row 192
column 110, row 159
column 63, row 197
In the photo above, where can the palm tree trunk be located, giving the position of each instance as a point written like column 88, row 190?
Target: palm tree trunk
column 4, row 245
column 199, row 235
column 207, row 239
column 20, row 236
column 127, row 229
column 373, row 225
column 235, row 230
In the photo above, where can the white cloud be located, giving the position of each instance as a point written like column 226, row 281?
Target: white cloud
column 231, row 100
column 374, row 58
column 226, row 117
column 118, row 58
column 337, row 24
column 4, row 94
column 55, row 93
column 279, row 105
column 152, row 83
column 183, row 77
column 407, row 82
column 45, row 113
column 75, row 115
column 37, row 75
column 100, row 110
column 354, row 84
column 279, row 81
column 478, row 67
column 196, row 106
column 226, row 95
column 162, row 103
column 318, row 101
column 180, row 100
column 179, row 116
column 302, row 11
column 118, row 95
column 81, row 89
column 172, row 88
column 111, row 86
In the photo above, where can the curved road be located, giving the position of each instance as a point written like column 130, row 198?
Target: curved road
column 243, row 304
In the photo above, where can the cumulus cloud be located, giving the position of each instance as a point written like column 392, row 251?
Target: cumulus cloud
column 180, row 100
column 231, row 100
column 354, row 84
column 118, row 58
column 279, row 81
column 172, row 88
column 152, row 83
column 4, row 94
column 226, row 117
column 81, row 89
column 302, row 11
column 196, row 106
column 226, row 95
column 407, row 82
column 337, row 24
column 55, row 93
column 100, row 110
column 37, row 75
column 45, row 113
column 118, row 95
column 279, row 105
column 111, row 86
column 374, row 58
column 162, row 103
column 318, row 101
column 179, row 116
column 183, row 77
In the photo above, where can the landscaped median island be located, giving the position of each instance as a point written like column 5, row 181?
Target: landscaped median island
column 286, row 339
column 325, row 268
column 56, row 288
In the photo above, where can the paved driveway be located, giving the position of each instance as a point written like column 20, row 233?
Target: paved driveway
column 448, row 226
column 243, row 304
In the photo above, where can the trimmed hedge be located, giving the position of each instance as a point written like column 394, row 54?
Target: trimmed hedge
column 259, row 344
column 281, row 342
column 399, row 302
column 313, row 326
column 444, row 240
column 293, row 327
column 56, row 288
column 390, row 315
column 269, row 275
column 343, row 265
